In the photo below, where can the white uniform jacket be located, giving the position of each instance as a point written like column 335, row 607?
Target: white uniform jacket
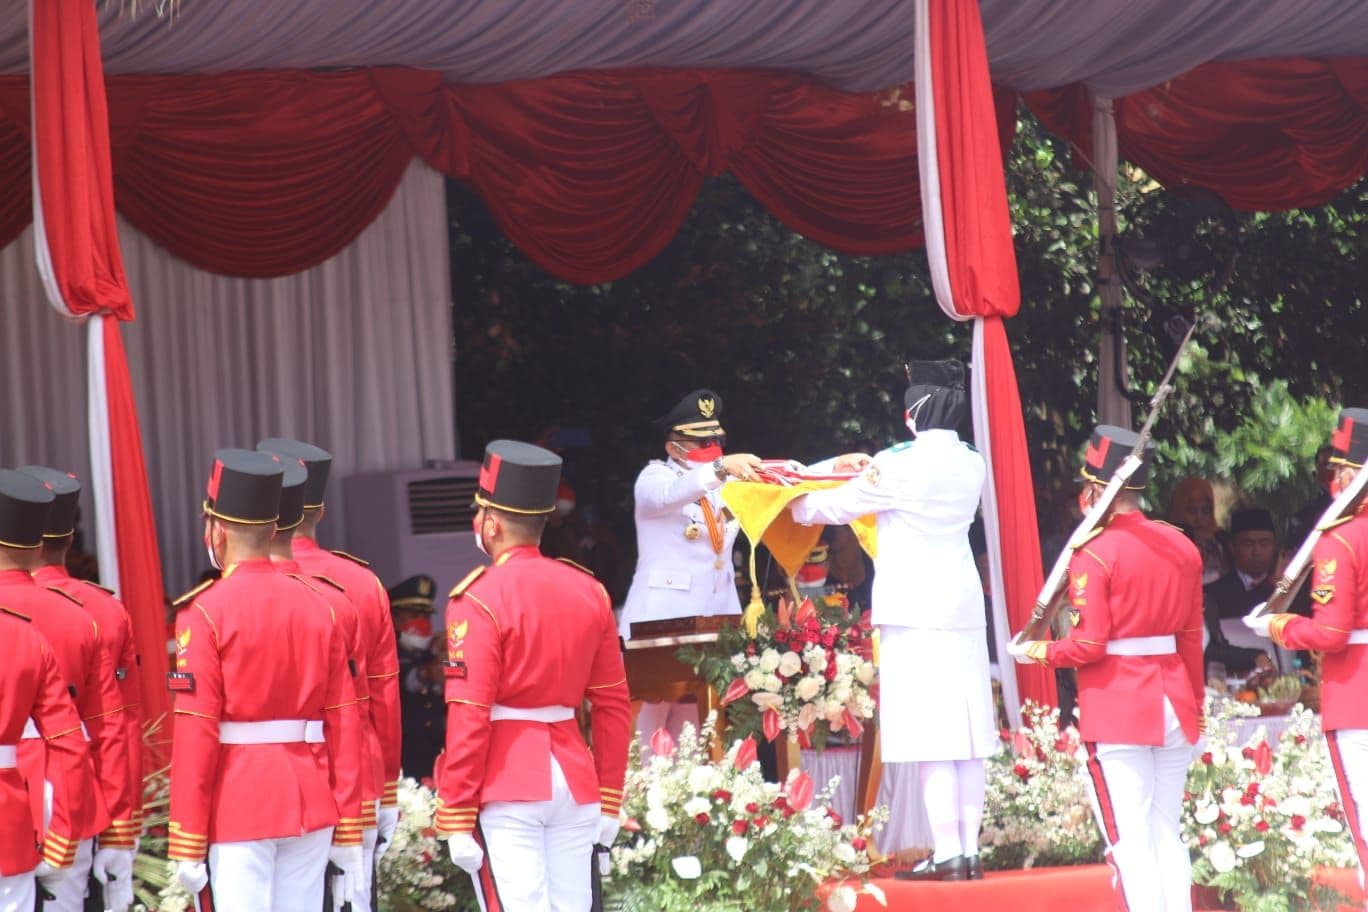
column 677, row 572
column 924, row 494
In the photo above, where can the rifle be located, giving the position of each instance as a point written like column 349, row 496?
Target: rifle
column 1299, row 568
column 598, row 863
column 1051, row 596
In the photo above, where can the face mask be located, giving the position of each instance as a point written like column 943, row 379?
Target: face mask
column 209, row 547
column 564, row 507
column 710, row 453
column 910, row 417
column 415, row 641
column 478, row 529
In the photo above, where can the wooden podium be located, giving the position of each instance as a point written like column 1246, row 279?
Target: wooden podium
column 654, row 675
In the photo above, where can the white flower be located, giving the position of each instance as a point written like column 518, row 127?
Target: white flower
column 738, row 661
column 845, row 853
column 816, row 659
column 1206, row 813
column 1222, row 857
column 658, row 819
column 1296, row 805
column 702, row 778
column 766, row 700
column 790, row 663
column 769, row 660
column 773, row 684
column 808, row 687
column 755, row 679
column 687, row 867
column 842, row 694
column 697, row 805
column 736, row 848
column 842, row 899
column 865, row 673
column 1250, row 850
column 655, row 797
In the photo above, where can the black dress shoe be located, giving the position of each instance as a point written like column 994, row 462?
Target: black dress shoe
column 975, row 866
column 956, row 868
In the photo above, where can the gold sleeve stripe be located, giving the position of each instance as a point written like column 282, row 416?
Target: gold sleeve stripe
column 470, row 703
column 613, row 684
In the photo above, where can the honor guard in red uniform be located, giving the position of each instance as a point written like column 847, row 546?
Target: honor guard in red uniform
column 261, row 678
column 1135, row 600
column 33, row 691
column 116, row 636
column 1338, row 627
column 377, row 655
column 521, row 799
column 25, row 504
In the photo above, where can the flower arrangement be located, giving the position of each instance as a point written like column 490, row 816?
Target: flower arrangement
column 708, row 837
column 1260, row 821
column 416, row 874
column 807, row 672
column 1036, row 807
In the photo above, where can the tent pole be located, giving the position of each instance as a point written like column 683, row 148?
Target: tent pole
column 1112, row 405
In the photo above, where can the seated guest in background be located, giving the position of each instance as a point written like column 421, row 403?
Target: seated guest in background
column 422, row 706
column 1254, row 547
column 1192, row 508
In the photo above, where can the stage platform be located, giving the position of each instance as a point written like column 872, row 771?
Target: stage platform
column 1085, row 888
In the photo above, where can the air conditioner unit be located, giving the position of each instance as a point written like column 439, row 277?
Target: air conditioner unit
column 415, row 521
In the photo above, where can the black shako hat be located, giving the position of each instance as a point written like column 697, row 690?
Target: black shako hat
column 518, row 477
column 293, row 481
column 317, row 462
column 697, row 415
column 1350, row 443
column 244, row 487
column 1108, row 448
column 414, row 592
column 935, row 397
column 61, row 520
column 24, row 506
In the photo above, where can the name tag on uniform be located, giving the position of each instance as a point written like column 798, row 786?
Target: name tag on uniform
column 455, row 670
column 180, row 681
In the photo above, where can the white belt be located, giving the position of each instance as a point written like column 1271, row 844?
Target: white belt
column 271, row 731
column 548, row 714
column 1358, row 637
column 31, row 731
column 9, row 756
column 1143, row 646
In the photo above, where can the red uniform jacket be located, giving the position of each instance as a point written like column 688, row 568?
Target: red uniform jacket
column 260, row 645
column 530, row 632
column 376, row 633
column 32, row 687
column 89, row 676
column 116, row 635
column 1339, row 604
column 1136, row 578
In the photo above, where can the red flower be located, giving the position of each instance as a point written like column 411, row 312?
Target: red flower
column 1201, row 840
column 858, row 843
column 1022, row 772
column 750, row 649
column 1206, row 758
column 829, row 639
column 781, row 802
column 752, row 807
column 761, row 822
column 1247, row 753
column 702, row 818
column 739, row 827
column 830, row 673
column 1246, row 799
column 426, row 782
column 1333, row 809
column 1298, row 821
column 1300, row 739
column 835, row 818
column 1252, row 789
column 722, row 795
column 1261, row 826
column 425, row 858
column 1223, row 828
column 781, row 636
column 428, row 833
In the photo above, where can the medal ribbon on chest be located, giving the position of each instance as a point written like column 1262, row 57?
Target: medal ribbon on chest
column 715, row 533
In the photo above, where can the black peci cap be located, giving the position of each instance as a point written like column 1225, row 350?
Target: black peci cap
column 1251, row 519
column 1349, row 446
column 24, row 506
column 697, row 415
column 66, row 489
column 519, row 478
column 1108, row 448
column 244, row 487
column 317, row 462
column 292, row 484
column 414, row 592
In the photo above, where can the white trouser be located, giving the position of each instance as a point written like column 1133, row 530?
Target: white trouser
column 69, row 895
column 538, row 852
column 362, row 901
column 18, row 892
column 270, row 875
column 669, row 716
column 1349, row 755
column 1137, row 796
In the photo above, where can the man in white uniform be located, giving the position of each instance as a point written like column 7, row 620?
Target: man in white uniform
column 935, row 704
column 684, row 535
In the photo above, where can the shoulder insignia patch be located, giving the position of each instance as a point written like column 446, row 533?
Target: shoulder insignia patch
column 871, row 476
column 64, row 594
column 1338, row 522
column 580, row 567
column 328, row 581
column 353, row 558
column 13, row 613
column 1322, row 595
column 460, row 588
column 190, row 596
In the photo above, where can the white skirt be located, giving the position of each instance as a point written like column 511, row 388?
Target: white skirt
column 935, row 696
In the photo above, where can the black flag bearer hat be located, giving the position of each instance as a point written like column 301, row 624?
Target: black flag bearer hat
column 293, row 480
column 414, row 592
column 1108, row 448
column 244, row 487
column 317, row 462
column 66, row 489
column 24, row 506
column 697, row 415
column 519, row 478
column 1350, row 443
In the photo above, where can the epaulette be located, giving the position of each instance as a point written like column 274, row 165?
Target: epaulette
column 104, row 589
column 1090, row 536
column 329, row 580
column 1165, row 522
column 66, row 595
column 459, row 589
column 11, row 611
column 190, row 596
column 353, row 558
column 580, row 567
column 303, row 579
column 1339, row 522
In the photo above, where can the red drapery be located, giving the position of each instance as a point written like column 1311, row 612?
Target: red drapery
column 82, row 269
column 269, row 172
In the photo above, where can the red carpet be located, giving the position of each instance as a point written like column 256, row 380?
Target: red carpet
column 1080, row 889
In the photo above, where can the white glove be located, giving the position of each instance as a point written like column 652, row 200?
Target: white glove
column 387, row 821
column 193, row 876
column 1258, row 624
column 347, row 885
column 114, row 869
column 608, row 830
column 466, row 853
column 1017, row 650
column 50, row 877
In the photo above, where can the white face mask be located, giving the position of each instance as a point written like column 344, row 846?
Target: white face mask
column 911, row 420
column 479, row 540
column 414, row 641
column 209, row 547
